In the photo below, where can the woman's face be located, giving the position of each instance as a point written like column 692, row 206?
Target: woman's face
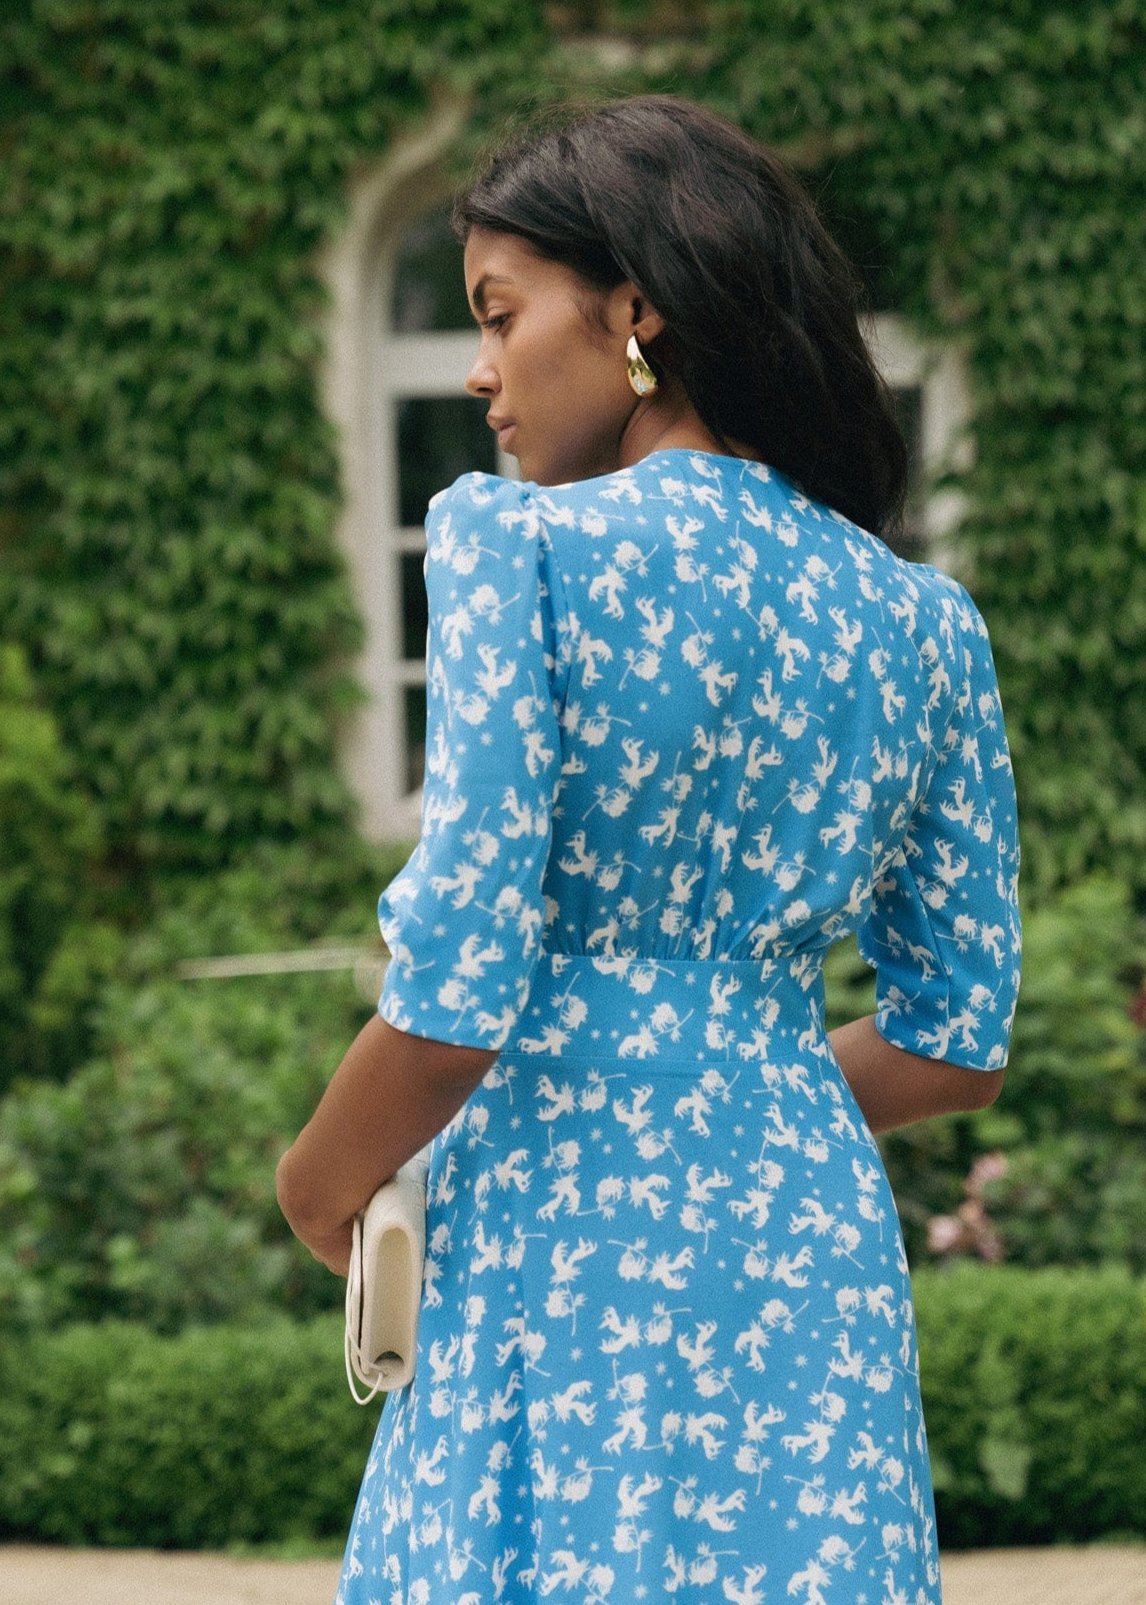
column 556, row 383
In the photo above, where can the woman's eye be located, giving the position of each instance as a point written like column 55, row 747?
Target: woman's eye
column 496, row 321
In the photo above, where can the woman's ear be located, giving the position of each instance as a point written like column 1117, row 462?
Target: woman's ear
column 633, row 313
column 647, row 322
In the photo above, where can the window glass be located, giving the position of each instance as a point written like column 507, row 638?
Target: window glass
column 415, row 612
column 429, row 287
column 439, row 437
column 414, row 721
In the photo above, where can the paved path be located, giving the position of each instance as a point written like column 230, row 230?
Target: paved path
column 1104, row 1575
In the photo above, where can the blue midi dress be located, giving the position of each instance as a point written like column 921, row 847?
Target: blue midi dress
column 687, row 729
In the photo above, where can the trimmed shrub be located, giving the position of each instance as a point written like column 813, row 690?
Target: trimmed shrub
column 111, row 1435
column 1034, row 1385
column 1034, row 1389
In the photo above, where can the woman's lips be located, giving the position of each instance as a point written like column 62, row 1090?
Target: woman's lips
column 505, row 432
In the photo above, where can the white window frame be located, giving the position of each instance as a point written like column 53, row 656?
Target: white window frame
column 938, row 370
column 357, row 386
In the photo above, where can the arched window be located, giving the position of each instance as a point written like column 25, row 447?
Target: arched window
column 413, row 430
column 429, row 431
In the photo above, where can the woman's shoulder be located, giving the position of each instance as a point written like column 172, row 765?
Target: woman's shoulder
column 477, row 506
column 478, row 491
column 947, row 596
column 922, row 582
column 592, row 505
column 481, row 531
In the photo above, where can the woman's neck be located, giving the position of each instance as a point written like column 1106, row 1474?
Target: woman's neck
column 668, row 420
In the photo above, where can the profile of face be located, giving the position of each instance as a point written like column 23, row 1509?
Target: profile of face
column 551, row 362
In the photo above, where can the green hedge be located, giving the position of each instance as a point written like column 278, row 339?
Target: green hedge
column 1034, row 1389
column 111, row 1435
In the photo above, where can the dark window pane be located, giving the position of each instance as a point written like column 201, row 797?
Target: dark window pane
column 415, row 612
column 439, row 437
column 414, row 699
column 908, row 401
column 429, row 284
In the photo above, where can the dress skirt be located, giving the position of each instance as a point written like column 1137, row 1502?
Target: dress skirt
column 667, row 1344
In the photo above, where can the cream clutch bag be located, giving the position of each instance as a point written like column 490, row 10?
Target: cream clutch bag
column 384, row 1284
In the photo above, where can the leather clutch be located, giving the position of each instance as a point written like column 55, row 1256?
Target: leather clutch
column 384, row 1284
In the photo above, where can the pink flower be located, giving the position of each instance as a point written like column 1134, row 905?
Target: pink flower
column 944, row 1234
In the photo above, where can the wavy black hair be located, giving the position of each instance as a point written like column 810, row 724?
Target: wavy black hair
column 761, row 306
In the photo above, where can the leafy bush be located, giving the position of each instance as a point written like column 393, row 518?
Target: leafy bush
column 1066, row 1178
column 144, row 1187
column 1071, row 1124
column 1034, row 1387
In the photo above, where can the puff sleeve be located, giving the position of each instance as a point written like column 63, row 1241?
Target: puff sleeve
column 943, row 930
column 463, row 918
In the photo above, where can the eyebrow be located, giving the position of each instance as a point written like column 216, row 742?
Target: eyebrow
column 479, row 288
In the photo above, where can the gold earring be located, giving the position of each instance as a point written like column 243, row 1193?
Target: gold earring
column 641, row 376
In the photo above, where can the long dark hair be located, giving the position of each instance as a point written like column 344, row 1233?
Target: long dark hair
column 760, row 304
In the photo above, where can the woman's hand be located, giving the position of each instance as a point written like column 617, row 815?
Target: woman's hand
column 333, row 1250
column 389, row 1096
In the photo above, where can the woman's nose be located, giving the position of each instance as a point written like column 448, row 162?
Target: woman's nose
column 482, row 378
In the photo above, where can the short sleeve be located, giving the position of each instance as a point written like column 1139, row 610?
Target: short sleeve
column 463, row 918
column 943, row 931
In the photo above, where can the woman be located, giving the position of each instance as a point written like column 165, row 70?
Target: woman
column 689, row 725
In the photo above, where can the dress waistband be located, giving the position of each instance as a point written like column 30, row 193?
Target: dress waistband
column 635, row 1006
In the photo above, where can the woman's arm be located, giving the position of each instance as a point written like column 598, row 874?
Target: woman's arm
column 389, row 1096
column 893, row 1087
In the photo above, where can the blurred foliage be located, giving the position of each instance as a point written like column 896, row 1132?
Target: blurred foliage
column 1072, row 1117
column 168, row 482
column 111, row 1435
column 52, row 955
column 1068, row 1133
column 144, row 1186
column 1034, row 1388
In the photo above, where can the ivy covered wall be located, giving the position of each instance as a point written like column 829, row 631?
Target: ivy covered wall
column 169, row 486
